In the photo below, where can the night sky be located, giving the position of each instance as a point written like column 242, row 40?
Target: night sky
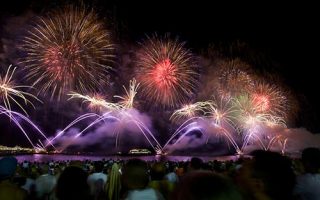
column 284, row 33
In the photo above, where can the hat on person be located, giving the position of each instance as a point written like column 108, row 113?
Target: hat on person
column 8, row 166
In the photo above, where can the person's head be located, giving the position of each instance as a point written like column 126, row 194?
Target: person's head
column 171, row 166
column 8, row 166
column 268, row 174
column 205, row 185
column 45, row 185
column 158, row 171
column 72, row 184
column 195, row 164
column 25, row 164
column 135, row 174
column 311, row 160
column 98, row 166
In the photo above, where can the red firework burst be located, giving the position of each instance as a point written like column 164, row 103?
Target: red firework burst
column 261, row 102
column 167, row 71
column 164, row 75
column 267, row 98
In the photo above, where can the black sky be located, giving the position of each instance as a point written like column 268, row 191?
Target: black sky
column 286, row 32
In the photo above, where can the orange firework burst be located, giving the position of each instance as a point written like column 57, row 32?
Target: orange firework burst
column 167, row 71
column 69, row 49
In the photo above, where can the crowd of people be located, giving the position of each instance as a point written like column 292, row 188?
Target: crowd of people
column 266, row 175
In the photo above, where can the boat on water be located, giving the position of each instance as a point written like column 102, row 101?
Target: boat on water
column 136, row 152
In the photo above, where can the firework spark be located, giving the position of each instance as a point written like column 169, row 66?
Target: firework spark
column 167, row 71
column 120, row 121
column 220, row 131
column 17, row 118
column 67, row 50
column 192, row 110
column 95, row 102
column 9, row 91
column 127, row 101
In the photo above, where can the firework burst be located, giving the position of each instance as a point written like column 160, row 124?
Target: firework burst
column 222, row 113
column 95, row 101
column 269, row 99
column 9, row 91
column 249, row 114
column 192, row 110
column 252, row 122
column 127, row 101
column 233, row 79
column 167, row 71
column 67, row 50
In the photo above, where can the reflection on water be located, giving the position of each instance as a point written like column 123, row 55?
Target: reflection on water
column 58, row 157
